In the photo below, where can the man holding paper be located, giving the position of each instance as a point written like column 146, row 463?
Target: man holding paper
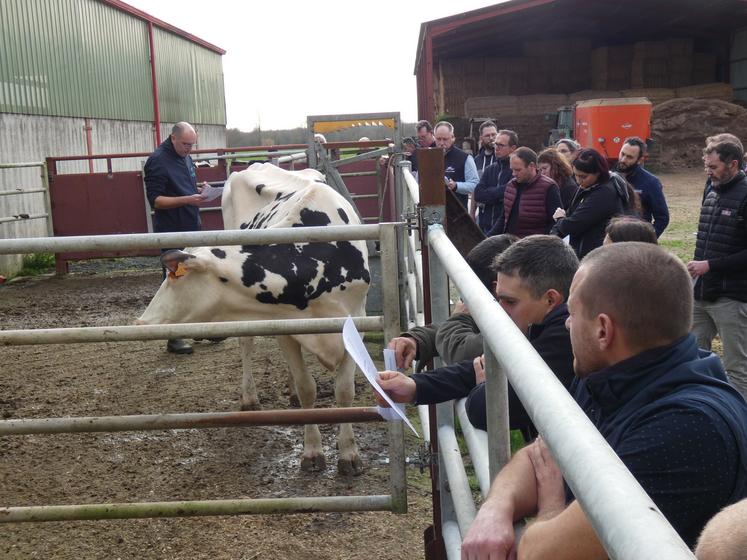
column 173, row 194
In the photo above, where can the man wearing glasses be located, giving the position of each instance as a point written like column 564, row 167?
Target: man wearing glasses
column 492, row 185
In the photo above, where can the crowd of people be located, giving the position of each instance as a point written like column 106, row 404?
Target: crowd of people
column 572, row 256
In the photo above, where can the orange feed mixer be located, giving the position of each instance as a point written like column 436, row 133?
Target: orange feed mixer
column 604, row 124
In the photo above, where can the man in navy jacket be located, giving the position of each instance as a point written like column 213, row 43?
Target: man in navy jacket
column 171, row 187
column 653, row 204
column 663, row 405
column 533, row 279
column 492, row 185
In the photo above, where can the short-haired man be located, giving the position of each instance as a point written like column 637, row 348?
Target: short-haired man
column 424, row 131
column 720, row 263
column 171, row 187
column 530, row 199
column 663, row 406
column 533, row 279
column 460, row 173
column 457, row 338
column 653, row 204
column 486, row 154
column 489, row 191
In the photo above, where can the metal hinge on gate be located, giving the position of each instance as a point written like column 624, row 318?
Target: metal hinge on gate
column 412, row 220
column 423, row 459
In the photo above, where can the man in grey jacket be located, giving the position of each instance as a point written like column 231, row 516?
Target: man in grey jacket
column 457, row 338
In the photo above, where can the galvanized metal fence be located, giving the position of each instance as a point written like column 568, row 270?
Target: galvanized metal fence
column 389, row 322
column 25, row 190
column 625, row 519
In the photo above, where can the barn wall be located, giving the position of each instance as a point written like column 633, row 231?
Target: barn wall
column 738, row 65
column 30, row 138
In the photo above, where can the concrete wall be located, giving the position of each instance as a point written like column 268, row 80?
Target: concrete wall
column 28, row 138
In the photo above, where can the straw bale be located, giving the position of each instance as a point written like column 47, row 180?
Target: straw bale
column 654, row 95
column 592, row 94
column 650, row 49
column 680, row 46
column 715, row 90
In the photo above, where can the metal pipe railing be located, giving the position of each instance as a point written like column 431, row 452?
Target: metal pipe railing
column 21, row 190
column 73, row 335
column 624, row 517
column 189, row 239
column 23, row 218
column 194, row 508
column 199, row 420
column 477, row 444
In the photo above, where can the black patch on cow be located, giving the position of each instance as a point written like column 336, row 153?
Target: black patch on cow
column 284, row 196
column 224, row 280
column 262, row 287
column 310, row 218
column 342, row 288
column 244, row 226
column 343, row 215
column 259, row 188
column 298, row 265
column 220, row 253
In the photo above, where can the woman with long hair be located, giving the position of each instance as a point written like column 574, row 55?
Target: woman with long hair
column 555, row 166
column 600, row 196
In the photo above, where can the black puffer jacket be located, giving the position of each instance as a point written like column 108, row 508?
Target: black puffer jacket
column 589, row 213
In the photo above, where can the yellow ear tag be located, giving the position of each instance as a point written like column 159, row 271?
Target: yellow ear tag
column 180, row 270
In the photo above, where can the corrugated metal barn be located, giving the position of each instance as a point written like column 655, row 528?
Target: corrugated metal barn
column 94, row 77
column 518, row 61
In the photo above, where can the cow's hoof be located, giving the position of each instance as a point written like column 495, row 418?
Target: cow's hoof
column 294, row 401
column 251, row 406
column 350, row 467
column 314, row 463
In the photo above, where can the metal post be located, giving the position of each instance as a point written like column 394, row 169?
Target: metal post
column 47, row 199
column 496, row 404
column 390, row 299
column 399, row 199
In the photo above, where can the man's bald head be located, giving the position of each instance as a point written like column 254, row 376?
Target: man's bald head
column 183, row 137
column 644, row 289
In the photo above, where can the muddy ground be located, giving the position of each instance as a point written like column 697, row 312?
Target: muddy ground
column 141, row 378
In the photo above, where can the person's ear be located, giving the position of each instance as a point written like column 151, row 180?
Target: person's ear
column 553, row 298
column 604, row 332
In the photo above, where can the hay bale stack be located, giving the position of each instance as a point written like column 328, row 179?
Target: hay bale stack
column 654, row 95
column 680, row 126
column 715, row 90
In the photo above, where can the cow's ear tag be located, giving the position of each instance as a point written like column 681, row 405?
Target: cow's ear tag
column 181, row 270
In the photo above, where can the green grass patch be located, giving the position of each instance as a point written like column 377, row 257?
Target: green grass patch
column 36, row 264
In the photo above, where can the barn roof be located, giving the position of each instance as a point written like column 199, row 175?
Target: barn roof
column 503, row 27
column 119, row 5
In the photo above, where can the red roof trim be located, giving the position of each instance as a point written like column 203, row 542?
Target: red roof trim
column 119, row 5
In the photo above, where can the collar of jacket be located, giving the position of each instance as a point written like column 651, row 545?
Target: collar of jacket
column 557, row 314
column 615, row 386
column 726, row 186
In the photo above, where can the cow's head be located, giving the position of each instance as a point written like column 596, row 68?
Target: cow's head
column 191, row 291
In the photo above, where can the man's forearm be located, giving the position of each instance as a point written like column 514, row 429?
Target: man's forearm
column 515, row 487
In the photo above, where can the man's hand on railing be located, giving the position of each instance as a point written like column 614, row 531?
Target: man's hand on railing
column 460, row 307
column 399, row 387
column 491, row 535
column 479, row 365
column 405, row 350
column 550, row 490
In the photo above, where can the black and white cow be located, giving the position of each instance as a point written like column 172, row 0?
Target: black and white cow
column 293, row 281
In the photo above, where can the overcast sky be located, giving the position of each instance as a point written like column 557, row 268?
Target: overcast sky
column 293, row 58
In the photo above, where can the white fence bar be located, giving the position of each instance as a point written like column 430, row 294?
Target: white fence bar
column 461, row 495
column 23, row 217
column 189, row 239
column 21, row 191
column 24, row 164
column 194, row 508
column 477, row 443
column 185, row 330
column 626, row 520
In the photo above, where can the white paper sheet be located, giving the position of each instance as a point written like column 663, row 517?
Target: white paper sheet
column 357, row 350
column 210, row 192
